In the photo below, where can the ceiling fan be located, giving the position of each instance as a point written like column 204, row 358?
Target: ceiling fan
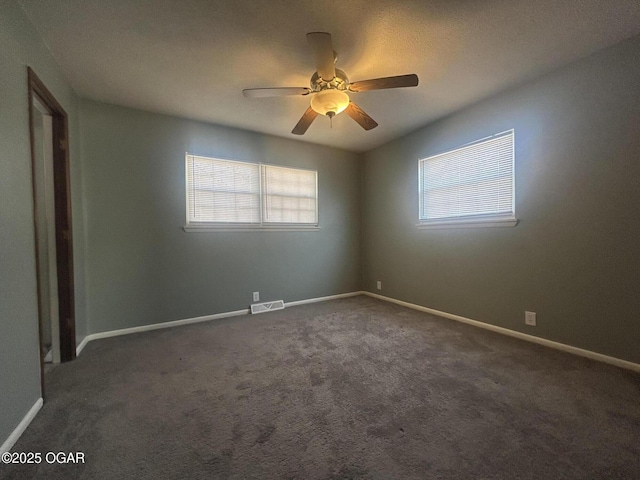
column 329, row 87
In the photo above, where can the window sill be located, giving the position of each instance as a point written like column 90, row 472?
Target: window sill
column 469, row 223
column 250, row 228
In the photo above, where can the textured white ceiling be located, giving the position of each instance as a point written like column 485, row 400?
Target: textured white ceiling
column 192, row 58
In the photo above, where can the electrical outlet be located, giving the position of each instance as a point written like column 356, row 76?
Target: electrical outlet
column 379, row 285
column 256, row 296
column 530, row 318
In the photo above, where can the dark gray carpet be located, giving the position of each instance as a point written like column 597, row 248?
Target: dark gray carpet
column 347, row 389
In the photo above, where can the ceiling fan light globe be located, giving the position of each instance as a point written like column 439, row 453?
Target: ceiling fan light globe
column 331, row 100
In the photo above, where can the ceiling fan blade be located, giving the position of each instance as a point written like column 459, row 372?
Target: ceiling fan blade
column 306, row 120
column 275, row 92
column 323, row 53
column 386, row 82
column 360, row 116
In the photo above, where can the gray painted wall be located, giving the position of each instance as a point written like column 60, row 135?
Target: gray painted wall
column 142, row 268
column 575, row 256
column 20, row 46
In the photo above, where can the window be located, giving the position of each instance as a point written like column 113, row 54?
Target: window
column 289, row 195
column 470, row 186
column 231, row 194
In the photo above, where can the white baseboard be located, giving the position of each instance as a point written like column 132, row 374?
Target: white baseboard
column 81, row 345
column 322, row 299
column 512, row 333
column 188, row 321
column 487, row 326
column 157, row 326
column 22, row 426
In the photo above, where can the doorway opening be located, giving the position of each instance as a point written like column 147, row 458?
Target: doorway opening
column 52, row 221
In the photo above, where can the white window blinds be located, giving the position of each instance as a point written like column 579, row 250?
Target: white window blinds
column 471, row 181
column 231, row 192
column 222, row 191
column 290, row 195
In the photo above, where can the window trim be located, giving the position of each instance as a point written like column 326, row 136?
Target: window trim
column 479, row 220
column 475, row 221
column 249, row 227
column 260, row 226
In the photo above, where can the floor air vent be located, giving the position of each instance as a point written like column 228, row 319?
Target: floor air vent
column 267, row 306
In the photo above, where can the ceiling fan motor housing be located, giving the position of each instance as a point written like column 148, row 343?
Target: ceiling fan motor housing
column 330, row 98
column 339, row 82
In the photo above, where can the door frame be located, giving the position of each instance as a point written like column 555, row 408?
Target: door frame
column 63, row 224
